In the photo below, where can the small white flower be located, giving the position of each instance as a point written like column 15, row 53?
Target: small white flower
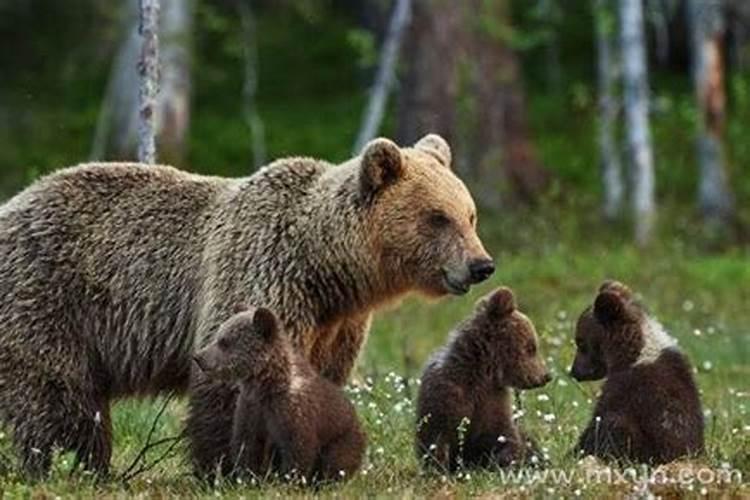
column 433, row 447
column 379, row 450
column 707, row 365
column 542, row 397
column 549, row 417
column 501, row 439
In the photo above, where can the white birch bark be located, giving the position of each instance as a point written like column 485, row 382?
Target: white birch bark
column 707, row 26
column 635, row 91
column 373, row 116
column 148, row 71
column 614, row 189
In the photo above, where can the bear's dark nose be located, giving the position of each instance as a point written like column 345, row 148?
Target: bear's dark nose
column 481, row 269
column 547, row 378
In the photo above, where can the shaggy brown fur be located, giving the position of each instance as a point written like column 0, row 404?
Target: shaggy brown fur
column 286, row 415
column 112, row 275
column 649, row 410
column 464, row 415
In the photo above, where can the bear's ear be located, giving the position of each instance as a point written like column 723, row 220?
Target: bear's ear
column 502, row 302
column 436, row 146
column 611, row 307
column 265, row 323
column 616, row 287
column 382, row 165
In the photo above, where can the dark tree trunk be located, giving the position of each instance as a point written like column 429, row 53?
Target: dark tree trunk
column 448, row 42
column 429, row 91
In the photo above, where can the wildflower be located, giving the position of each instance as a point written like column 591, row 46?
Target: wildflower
column 549, row 417
column 542, row 397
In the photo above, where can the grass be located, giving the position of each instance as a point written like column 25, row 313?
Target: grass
column 701, row 294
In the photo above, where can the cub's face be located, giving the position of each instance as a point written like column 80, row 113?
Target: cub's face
column 514, row 338
column 423, row 217
column 242, row 344
column 609, row 334
column 589, row 363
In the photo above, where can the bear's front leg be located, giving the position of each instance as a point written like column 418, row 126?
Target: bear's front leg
column 334, row 355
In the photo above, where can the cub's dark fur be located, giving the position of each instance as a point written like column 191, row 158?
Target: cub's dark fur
column 287, row 419
column 464, row 411
column 649, row 410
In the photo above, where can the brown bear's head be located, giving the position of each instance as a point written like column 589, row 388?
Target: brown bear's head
column 423, row 218
column 513, row 339
column 244, row 344
column 616, row 333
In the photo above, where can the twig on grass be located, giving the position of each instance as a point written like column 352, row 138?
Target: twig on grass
column 136, row 467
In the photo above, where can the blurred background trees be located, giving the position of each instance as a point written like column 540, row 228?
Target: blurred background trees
column 547, row 103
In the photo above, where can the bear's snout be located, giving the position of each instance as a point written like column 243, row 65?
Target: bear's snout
column 481, row 269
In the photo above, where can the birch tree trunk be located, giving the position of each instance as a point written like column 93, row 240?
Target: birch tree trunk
column 607, row 76
column 635, row 81
column 386, row 75
column 707, row 26
column 148, row 70
column 117, row 132
column 250, row 86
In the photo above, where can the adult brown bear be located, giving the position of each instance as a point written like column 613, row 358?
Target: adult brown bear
column 112, row 275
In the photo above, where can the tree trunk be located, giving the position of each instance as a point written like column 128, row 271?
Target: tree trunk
column 173, row 114
column 148, row 70
column 448, row 42
column 610, row 160
column 250, row 87
column 385, row 76
column 635, row 80
column 658, row 18
column 429, row 91
column 117, row 125
column 707, row 25
column 117, row 132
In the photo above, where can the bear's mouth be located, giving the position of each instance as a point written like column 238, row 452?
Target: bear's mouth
column 453, row 286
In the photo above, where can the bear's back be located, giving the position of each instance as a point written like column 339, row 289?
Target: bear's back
column 663, row 399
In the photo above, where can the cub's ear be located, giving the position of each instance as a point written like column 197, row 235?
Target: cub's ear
column 502, row 302
column 382, row 165
column 616, row 287
column 437, row 147
column 265, row 323
column 611, row 307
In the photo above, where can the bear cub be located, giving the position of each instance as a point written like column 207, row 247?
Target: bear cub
column 649, row 410
column 288, row 419
column 464, row 408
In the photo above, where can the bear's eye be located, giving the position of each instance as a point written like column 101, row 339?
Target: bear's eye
column 438, row 219
column 472, row 219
